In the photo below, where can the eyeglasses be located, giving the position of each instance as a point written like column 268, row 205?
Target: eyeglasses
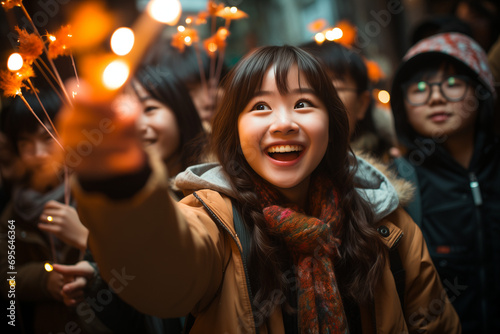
column 453, row 88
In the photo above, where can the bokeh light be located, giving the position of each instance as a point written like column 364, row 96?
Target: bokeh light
column 319, row 38
column 384, row 96
column 165, row 11
column 115, row 74
column 122, row 41
column 15, row 62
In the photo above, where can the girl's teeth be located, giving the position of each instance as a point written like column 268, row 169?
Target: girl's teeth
column 284, row 149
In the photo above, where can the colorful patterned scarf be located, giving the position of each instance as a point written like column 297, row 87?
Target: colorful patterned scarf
column 313, row 242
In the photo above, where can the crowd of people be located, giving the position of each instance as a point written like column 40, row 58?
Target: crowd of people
column 271, row 202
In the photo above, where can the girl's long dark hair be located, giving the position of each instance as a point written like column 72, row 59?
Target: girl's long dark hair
column 166, row 87
column 361, row 263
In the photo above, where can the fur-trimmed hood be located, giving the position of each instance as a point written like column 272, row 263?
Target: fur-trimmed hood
column 404, row 189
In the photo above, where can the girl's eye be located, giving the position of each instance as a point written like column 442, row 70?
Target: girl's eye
column 303, row 104
column 148, row 109
column 261, row 106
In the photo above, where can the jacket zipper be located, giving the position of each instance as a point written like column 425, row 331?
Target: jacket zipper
column 219, row 222
column 478, row 201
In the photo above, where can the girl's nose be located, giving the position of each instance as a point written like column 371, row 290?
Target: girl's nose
column 284, row 123
column 436, row 95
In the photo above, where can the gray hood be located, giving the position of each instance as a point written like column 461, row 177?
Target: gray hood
column 374, row 187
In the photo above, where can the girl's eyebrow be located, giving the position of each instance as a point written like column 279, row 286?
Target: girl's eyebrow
column 293, row 91
column 146, row 98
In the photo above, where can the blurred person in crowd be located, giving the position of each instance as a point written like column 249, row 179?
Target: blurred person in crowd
column 370, row 129
column 11, row 167
column 438, row 24
column 196, row 70
column 494, row 61
column 442, row 100
column 46, row 229
column 483, row 17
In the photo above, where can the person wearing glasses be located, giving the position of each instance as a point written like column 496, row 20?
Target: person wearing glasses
column 442, row 101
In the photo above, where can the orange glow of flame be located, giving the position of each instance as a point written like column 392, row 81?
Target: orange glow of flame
column 231, row 13
column 375, row 73
column 11, row 83
column 9, row 4
column 317, row 25
column 15, row 62
column 122, row 41
column 60, row 43
column 216, row 42
column 90, row 24
column 213, row 8
column 165, row 11
column 349, row 33
column 48, row 267
column 384, row 96
column 184, row 36
column 115, row 74
column 319, row 37
column 30, row 45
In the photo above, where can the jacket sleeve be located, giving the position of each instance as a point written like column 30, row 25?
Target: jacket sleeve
column 161, row 257
column 427, row 307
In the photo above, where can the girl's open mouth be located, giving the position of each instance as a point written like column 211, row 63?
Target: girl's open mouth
column 285, row 152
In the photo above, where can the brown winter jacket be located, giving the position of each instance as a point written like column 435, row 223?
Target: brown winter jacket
column 168, row 259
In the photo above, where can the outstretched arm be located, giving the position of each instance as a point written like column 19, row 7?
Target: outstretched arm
column 158, row 258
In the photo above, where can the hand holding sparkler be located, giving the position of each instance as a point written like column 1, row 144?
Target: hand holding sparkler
column 101, row 137
column 62, row 221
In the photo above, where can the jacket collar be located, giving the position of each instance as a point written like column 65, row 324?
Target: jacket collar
column 370, row 183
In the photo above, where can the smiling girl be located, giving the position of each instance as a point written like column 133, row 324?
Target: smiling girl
column 289, row 232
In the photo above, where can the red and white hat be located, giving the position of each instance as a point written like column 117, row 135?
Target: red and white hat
column 460, row 47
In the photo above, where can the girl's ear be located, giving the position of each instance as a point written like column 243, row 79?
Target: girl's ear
column 364, row 100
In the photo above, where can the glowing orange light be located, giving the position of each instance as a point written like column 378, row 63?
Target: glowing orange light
column 52, row 38
column 317, row 25
column 212, row 47
column 181, row 28
column 165, row 11
column 49, row 218
column 115, row 74
column 231, row 13
column 15, row 62
column 319, row 38
column 336, row 33
column 48, row 267
column 189, row 20
column 12, row 282
column 384, row 96
column 122, row 41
